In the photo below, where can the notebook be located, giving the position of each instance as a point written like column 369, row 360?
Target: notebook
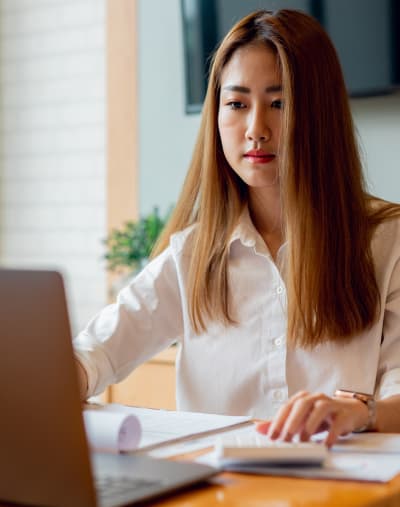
column 44, row 458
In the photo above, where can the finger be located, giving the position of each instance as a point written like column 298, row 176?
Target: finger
column 283, row 413
column 321, row 415
column 332, row 436
column 263, row 427
column 296, row 421
column 304, row 436
column 340, row 425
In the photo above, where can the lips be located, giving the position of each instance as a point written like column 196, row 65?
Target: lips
column 259, row 156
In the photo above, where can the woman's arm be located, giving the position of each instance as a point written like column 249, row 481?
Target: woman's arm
column 146, row 318
column 307, row 413
column 82, row 380
column 388, row 414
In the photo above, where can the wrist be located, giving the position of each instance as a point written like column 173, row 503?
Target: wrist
column 82, row 380
column 367, row 406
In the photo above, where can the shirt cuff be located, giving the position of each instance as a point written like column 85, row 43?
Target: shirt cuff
column 91, row 372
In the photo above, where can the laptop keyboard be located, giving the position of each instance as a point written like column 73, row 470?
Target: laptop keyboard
column 119, row 488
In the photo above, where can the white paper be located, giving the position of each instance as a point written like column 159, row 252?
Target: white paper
column 369, row 443
column 112, row 431
column 370, row 457
column 348, row 466
column 196, row 444
column 161, row 427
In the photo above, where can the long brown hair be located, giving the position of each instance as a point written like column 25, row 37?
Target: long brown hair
column 328, row 216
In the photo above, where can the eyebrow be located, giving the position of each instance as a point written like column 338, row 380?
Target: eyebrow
column 244, row 89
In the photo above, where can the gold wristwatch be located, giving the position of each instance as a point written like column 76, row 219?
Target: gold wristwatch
column 368, row 400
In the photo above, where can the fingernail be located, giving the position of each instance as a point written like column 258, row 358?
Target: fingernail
column 274, row 435
column 262, row 428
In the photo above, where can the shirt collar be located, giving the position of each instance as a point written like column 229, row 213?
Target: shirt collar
column 247, row 234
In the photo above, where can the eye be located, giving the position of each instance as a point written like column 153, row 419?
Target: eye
column 277, row 104
column 235, row 104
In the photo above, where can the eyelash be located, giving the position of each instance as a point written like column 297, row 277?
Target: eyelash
column 277, row 104
column 236, row 104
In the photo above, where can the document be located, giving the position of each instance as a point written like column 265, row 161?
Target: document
column 362, row 467
column 367, row 457
column 380, row 443
column 152, row 428
column 112, row 431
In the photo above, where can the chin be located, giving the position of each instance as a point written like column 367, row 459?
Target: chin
column 262, row 181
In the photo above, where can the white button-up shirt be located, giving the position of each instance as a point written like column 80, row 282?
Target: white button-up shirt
column 247, row 368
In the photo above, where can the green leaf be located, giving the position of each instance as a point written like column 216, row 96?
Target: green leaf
column 128, row 246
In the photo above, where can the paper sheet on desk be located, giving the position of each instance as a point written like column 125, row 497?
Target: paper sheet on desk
column 166, row 427
column 348, row 466
column 197, row 444
column 369, row 443
column 371, row 457
column 112, row 431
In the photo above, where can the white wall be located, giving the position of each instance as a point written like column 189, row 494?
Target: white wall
column 167, row 134
column 52, row 135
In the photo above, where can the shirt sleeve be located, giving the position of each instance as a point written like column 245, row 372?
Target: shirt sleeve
column 389, row 360
column 146, row 318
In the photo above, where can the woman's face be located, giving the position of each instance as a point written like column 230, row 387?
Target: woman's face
column 249, row 115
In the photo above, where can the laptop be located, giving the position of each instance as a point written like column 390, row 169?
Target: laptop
column 44, row 455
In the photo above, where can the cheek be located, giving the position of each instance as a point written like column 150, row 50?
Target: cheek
column 277, row 128
column 229, row 130
column 223, row 133
column 228, row 119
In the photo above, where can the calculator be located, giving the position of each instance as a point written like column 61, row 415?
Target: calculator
column 259, row 449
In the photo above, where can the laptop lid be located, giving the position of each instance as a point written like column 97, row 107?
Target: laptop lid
column 44, row 455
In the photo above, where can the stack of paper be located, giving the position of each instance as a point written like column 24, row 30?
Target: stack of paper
column 371, row 457
column 118, row 428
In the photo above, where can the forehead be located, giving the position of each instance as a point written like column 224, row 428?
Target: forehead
column 251, row 64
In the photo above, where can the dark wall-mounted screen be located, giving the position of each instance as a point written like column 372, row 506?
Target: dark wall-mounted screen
column 366, row 34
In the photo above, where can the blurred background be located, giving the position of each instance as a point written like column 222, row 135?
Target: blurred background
column 98, row 122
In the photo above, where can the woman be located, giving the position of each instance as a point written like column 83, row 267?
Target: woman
column 278, row 274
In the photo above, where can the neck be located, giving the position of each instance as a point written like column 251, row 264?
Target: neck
column 266, row 213
column 266, row 210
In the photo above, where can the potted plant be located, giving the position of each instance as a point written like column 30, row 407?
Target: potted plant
column 128, row 248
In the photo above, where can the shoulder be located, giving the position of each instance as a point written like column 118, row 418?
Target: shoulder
column 387, row 221
column 384, row 218
column 385, row 243
column 388, row 227
column 181, row 242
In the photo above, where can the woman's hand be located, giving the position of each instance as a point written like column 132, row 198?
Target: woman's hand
column 307, row 413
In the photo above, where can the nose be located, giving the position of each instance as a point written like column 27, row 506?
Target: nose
column 257, row 128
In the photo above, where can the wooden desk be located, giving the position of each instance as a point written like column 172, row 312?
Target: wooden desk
column 240, row 490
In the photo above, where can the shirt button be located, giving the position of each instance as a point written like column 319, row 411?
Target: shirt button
column 278, row 395
column 279, row 290
column 278, row 342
